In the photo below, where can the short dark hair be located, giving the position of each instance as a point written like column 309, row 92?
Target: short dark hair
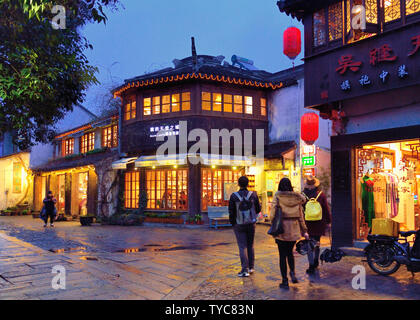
column 285, row 185
column 49, row 192
column 243, row 182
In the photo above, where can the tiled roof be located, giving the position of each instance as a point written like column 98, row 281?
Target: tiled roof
column 276, row 150
column 81, row 160
column 92, row 124
column 298, row 8
column 206, row 68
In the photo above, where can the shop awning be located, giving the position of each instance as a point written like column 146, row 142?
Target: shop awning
column 122, row 163
column 206, row 159
column 167, row 160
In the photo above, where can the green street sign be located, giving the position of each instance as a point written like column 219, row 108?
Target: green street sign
column 308, row 161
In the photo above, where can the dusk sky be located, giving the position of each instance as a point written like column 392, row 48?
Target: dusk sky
column 147, row 35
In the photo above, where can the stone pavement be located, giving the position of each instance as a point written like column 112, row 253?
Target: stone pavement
column 149, row 262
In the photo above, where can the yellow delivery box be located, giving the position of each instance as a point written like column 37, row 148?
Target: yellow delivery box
column 385, row 227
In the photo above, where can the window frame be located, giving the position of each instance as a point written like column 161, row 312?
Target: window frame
column 374, row 29
column 87, row 142
column 155, row 194
column 112, row 137
column 67, row 148
column 131, row 202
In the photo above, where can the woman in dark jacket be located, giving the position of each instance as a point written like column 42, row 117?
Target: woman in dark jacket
column 49, row 208
column 316, row 229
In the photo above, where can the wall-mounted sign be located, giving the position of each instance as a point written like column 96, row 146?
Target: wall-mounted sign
column 165, row 130
column 309, row 150
column 308, row 161
column 309, row 172
column 370, row 66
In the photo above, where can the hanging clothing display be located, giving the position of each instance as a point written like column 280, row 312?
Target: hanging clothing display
column 368, row 207
column 379, row 195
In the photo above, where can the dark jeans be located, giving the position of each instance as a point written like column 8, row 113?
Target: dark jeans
column 51, row 216
column 286, row 253
column 245, row 237
column 313, row 255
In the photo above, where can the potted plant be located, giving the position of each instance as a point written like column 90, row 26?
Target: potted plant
column 198, row 219
column 86, row 220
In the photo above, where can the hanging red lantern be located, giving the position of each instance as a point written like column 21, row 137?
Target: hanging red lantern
column 292, row 43
column 309, row 127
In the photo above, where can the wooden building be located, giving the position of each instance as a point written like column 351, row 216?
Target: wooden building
column 362, row 71
column 80, row 174
column 200, row 93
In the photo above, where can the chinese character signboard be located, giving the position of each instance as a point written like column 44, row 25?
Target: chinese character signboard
column 308, row 161
column 370, row 66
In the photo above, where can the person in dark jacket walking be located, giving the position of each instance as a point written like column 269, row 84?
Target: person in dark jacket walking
column 244, row 233
column 316, row 229
column 49, row 208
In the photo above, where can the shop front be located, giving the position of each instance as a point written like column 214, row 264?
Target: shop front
column 75, row 190
column 376, row 176
column 365, row 77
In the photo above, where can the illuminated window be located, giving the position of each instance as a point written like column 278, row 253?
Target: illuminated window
column 132, row 190
column 110, row 137
column 335, row 21
column 147, row 104
column 176, row 102
column 166, row 104
column 319, row 34
column 248, row 105
column 213, row 184
column 156, row 105
column 412, row 6
column 17, row 177
column 130, row 110
column 227, row 103
column 263, row 106
column 206, row 101
column 186, row 101
column 167, row 189
column 238, row 104
column 392, row 10
column 87, row 142
column 67, row 147
column 217, row 102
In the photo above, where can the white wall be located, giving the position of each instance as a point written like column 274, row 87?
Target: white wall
column 7, row 197
column 287, row 106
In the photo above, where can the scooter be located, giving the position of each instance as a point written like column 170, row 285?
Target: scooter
column 386, row 254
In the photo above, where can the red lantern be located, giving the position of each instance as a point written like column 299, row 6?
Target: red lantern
column 292, row 42
column 309, row 127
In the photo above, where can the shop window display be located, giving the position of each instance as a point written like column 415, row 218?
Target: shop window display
column 82, row 188
column 214, row 183
column 388, row 184
column 61, row 205
column 167, row 189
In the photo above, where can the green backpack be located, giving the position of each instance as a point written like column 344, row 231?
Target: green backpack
column 313, row 209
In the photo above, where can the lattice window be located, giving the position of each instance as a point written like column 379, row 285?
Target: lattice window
column 132, row 189
column 319, row 33
column 67, row 147
column 167, row 189
column 213, row 186
column 371, row 11
column 87, row 142
column 110, row 137
column 335, row 21
column 412, row 6
column 392, row 9
column 263, row 102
